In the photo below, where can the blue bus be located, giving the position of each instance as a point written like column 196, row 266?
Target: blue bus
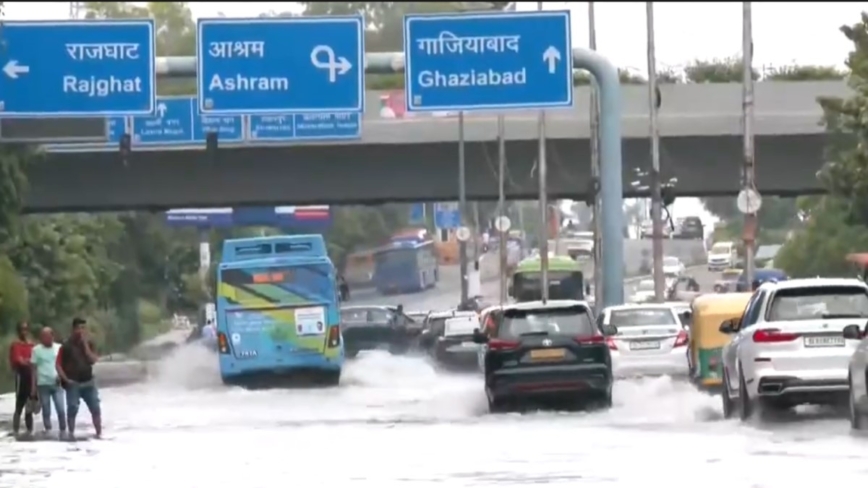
column 405, row 265
column 278, row 312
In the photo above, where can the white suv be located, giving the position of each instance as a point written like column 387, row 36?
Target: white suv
column 788, row 347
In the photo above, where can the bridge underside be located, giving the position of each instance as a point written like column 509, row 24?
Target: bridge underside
column 371, row 174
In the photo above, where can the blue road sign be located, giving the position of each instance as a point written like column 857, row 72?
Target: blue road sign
column 417, row 213
column 77, row 68
column 298, row 127
column 280, row 65
column 117, row 126
column 177, row 122
column 447, row 215
column 488, row 61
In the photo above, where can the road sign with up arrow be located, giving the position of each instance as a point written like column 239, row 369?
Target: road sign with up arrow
column 77, row 68
column 516, row 60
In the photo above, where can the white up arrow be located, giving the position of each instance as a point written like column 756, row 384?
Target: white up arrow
column 161, row 110
column 552, row 56
column 13, row 69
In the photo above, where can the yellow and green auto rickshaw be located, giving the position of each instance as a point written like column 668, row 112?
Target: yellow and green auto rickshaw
column 706, row 341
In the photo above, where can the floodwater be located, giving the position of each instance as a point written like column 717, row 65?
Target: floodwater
column 397, row 420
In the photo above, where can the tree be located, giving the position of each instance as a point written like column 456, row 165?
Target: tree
column 837, row 223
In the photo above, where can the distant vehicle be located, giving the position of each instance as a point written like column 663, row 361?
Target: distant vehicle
column 565, row 279
column 435, row 325
column 690, row 228
column 760, row 276
column 454, row 348
column 728, row 280
column 857, row 376
column 553, row 351
column 644, row 292
column 405, row 266
column 673, row 267
column 722, row 255
column 651, row 339
column 368, row 328
column 277, row 311
column 646, row 231
column 788, row 347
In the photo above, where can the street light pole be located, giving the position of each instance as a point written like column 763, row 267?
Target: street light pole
column 750, row 219
column 656, row 204
column 462, row 208
column 595, row 162
column 543, row 201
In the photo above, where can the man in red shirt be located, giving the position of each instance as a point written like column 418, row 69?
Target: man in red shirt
column 19, row 361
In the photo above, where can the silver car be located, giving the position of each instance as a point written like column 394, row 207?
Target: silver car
column 650, row 340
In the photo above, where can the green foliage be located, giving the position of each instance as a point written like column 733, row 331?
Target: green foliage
column 835, row 224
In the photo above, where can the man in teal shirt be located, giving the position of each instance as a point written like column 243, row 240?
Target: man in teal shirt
column 46, row 380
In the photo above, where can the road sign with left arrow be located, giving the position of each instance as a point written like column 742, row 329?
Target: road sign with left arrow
column 77, row 68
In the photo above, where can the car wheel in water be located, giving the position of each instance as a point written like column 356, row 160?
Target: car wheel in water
column 746, row 405
column 857, row 420
column 728, row 403
column 605, row 402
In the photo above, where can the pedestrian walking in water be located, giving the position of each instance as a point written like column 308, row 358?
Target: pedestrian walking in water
column 19, row 361
column 75, row 362
column 46, row 381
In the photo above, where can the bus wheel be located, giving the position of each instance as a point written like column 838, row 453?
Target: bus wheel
column 331, row 378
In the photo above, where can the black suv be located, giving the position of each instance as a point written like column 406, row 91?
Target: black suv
column 691, row 228
column 538, row 351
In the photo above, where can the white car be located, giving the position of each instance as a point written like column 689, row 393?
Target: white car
column 788, row 347
column 644, row 292
column 650, row 340
column 673, row 267
column 858, row 376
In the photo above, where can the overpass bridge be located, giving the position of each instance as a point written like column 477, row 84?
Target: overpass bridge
column 415, row 159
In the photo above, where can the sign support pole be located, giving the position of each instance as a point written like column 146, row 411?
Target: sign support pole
column 501, row 203
column 462, row 208
column 596, row 219
column 656, row 197
column 750, row 219
column 543, row 201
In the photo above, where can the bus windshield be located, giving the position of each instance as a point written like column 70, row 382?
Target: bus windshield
column 311, row 283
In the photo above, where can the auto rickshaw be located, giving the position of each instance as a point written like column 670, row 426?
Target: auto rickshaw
column 706, row 341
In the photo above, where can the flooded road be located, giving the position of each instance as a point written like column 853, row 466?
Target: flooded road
column 397, row 420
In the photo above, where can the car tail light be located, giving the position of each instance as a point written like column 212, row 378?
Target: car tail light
column 611, row 343
column 773, row 335
column 681, row 339
column 501, row 345
column 590, row 340
column 222, row 343
column 334, row 339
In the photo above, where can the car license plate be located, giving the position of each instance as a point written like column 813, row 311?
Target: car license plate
column 644, row 345
column 547, row 354
column 824, row 341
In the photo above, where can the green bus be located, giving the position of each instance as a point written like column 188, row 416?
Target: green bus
column 565, row 279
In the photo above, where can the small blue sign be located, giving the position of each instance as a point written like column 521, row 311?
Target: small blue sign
column 77, row 68
column 177, row 122
column 280, row 65
column 417, row 213
column 447, row 215
column 117, row 127
column 503, row 60
column 297, row 127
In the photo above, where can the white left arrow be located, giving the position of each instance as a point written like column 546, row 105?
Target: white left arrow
column 552, row 56
column 13, row 69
